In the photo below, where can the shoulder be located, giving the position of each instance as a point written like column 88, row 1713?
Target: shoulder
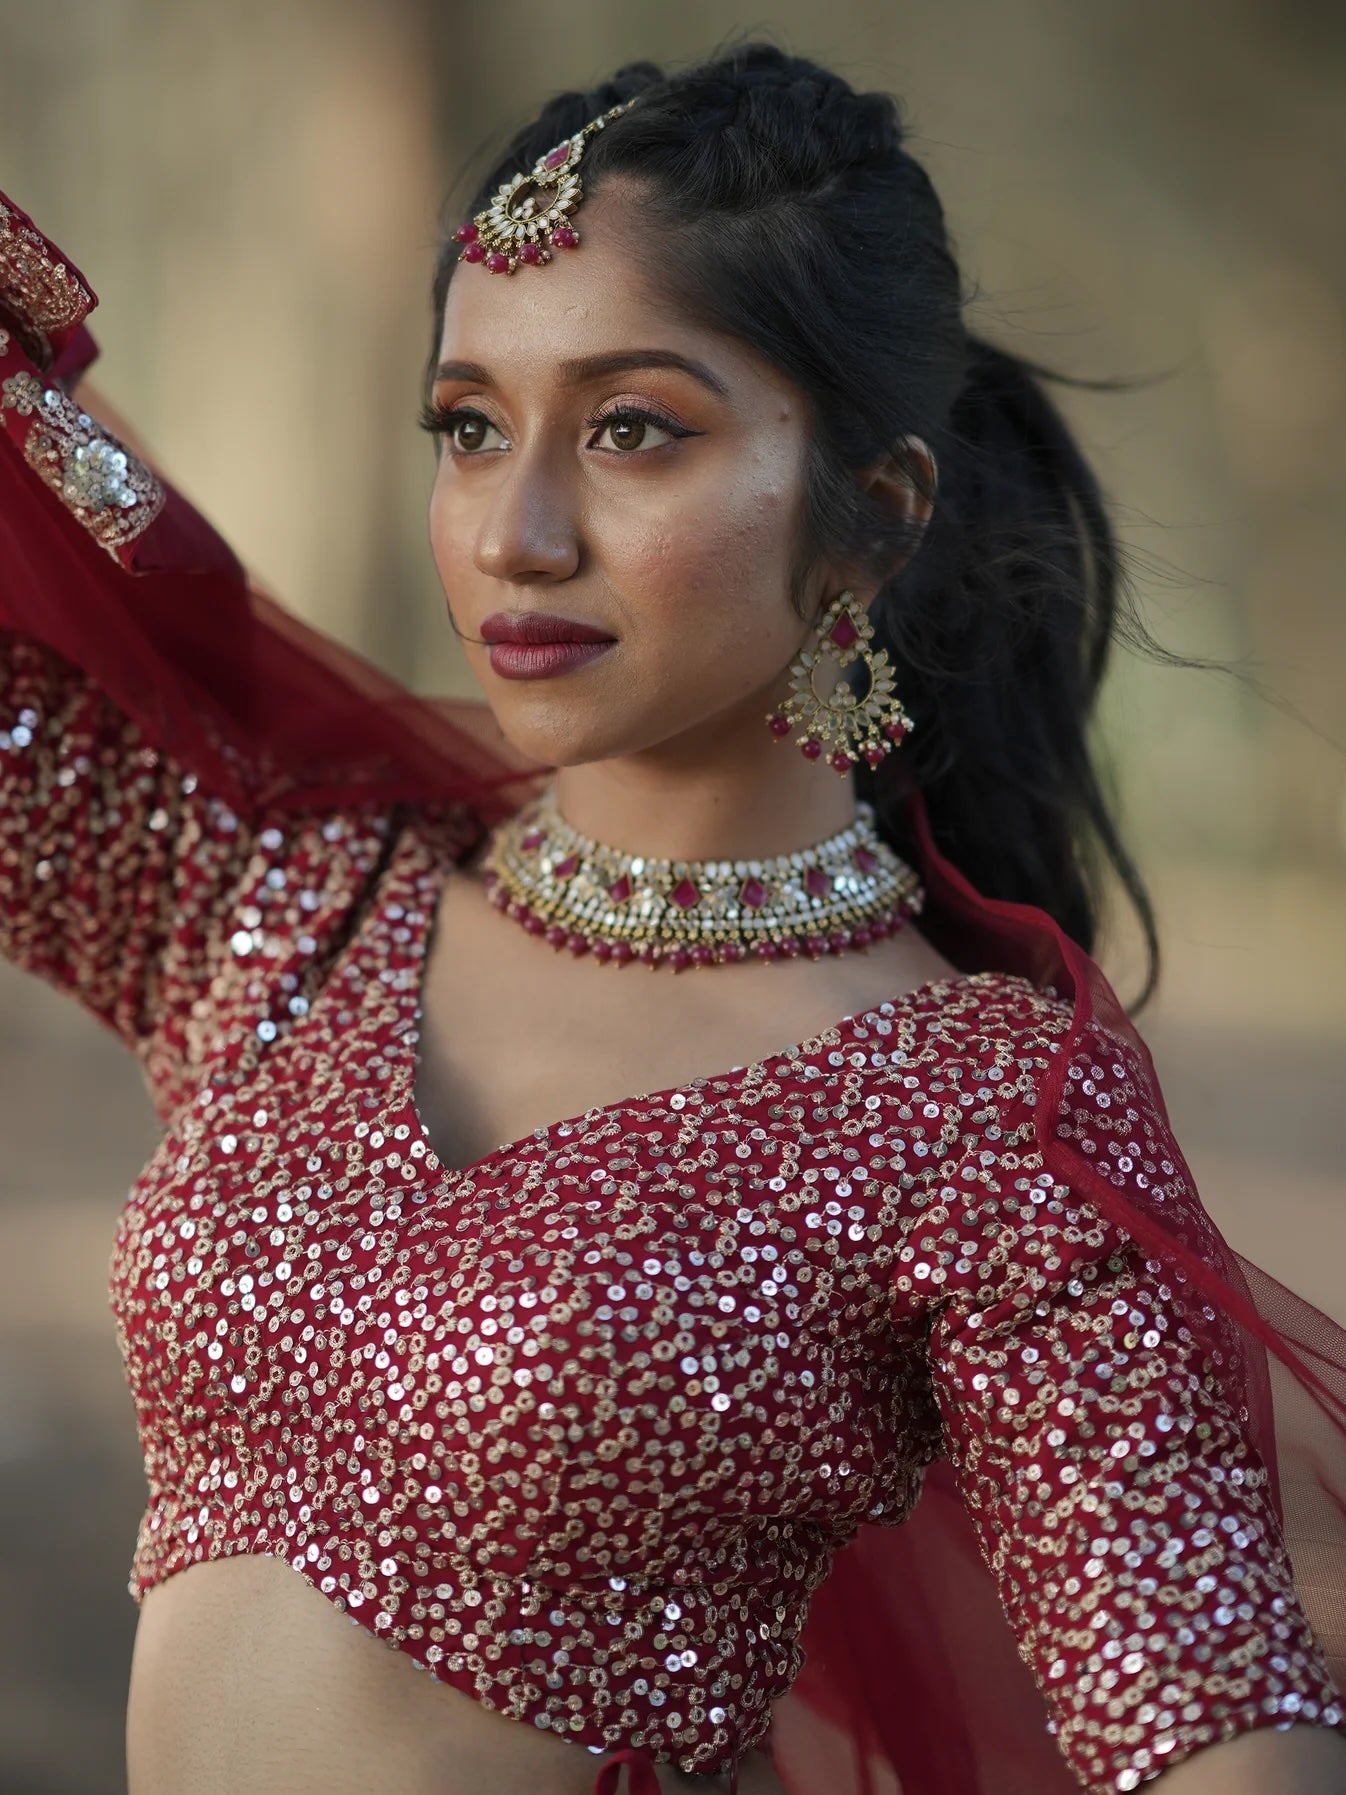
column 269, row 905
column 996, row 1025
column 949, row 1069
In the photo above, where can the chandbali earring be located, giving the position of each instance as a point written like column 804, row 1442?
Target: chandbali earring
column 854, row 726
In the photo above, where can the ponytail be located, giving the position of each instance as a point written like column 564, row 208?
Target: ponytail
column 1000, row 630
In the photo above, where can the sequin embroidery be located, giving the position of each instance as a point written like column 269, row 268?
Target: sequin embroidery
column 580, row 1427
column 114, row 495
column 41, row 291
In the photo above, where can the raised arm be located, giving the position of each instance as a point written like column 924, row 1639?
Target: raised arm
column 114, row 862
column 145, row 820
column 168, row 733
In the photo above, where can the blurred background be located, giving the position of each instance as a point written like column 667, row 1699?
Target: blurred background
column 253, row 192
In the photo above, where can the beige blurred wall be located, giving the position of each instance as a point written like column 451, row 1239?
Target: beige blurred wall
column 252, row 191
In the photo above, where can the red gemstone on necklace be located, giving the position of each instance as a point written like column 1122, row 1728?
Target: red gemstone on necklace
column 679, row 957
column 844, row 632
column 497, row 263
column 602, row 950
column 562, row 869
column 620, row 889
column 752, row 894
column 702, row 954
column 766, row 950
column 577, row 944
column 815, row 946
column 533, row 839
column 816, row 882
column 622, row 951
column 466, row 233
column 866, row 859
column 838, row 943
column 684, row 894
column 565, row 236
column 475, row 252
column 530, row 253
column 861, row 938
column 649, row 954
column 554, row 158
column 556, row 936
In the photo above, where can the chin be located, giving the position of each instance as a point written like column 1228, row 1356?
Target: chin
column 561, row 740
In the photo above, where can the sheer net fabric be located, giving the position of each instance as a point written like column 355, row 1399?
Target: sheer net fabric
column 931, row 1664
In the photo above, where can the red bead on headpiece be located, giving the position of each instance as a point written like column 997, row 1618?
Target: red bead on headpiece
column 528, row 216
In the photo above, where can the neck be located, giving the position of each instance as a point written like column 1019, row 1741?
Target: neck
column 745, row 801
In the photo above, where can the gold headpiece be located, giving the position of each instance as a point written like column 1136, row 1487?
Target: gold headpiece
column 521, row 224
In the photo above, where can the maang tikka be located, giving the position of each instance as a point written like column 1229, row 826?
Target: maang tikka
column 854, row 726
column 523, row 224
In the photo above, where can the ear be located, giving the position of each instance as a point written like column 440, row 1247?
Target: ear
column 904, row 482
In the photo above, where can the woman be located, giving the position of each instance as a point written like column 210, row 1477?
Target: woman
column 607, row 1421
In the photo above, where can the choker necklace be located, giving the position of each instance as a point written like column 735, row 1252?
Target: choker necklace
column 845, row 892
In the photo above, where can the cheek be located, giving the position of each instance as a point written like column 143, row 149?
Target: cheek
column 449, row 538
column 717, row 574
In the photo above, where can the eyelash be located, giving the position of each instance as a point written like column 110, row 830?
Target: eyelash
column 439, row 420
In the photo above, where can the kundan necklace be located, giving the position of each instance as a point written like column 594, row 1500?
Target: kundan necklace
column 845, row 892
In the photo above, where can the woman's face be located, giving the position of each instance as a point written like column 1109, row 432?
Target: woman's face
column 606, row 463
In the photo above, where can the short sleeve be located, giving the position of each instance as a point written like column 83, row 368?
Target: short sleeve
column 1116, row 1493
column 130, row 888
column 115, row 867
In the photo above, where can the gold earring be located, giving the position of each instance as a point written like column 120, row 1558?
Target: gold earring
column 852, row 726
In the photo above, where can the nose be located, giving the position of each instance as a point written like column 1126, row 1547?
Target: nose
column 529, row 529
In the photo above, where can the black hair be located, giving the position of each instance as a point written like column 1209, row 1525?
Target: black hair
column 786, row 211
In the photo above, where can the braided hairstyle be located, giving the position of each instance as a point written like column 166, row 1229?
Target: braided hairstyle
column 784, row 210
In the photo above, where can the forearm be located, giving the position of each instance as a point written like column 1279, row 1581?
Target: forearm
column 1305, row 1760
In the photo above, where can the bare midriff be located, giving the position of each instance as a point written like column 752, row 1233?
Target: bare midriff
column 245, row 1677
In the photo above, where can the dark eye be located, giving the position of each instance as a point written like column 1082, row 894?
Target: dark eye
column 630, row 429
column 464, row 428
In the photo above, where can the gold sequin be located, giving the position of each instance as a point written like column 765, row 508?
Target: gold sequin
column 580, row 1427
column 111, row 492
column 40, row 291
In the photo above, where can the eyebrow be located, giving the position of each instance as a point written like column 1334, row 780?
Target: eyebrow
column 593, row 367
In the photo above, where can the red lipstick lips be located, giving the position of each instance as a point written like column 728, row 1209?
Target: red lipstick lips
column 538, row 645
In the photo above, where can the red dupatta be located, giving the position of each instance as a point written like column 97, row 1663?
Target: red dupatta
column 912, row 1680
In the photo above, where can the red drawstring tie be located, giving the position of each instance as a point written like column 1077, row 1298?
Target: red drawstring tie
column 642, row 1780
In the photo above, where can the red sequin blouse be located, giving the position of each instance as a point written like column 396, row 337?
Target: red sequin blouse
column 582, row 1427
column 579, row 1427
